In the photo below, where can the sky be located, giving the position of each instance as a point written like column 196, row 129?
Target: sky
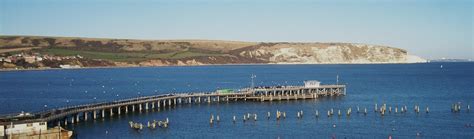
column 428, row 28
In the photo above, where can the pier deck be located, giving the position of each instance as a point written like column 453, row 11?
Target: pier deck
column 74, row 114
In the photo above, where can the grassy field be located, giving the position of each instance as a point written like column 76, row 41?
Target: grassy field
column 123, row 56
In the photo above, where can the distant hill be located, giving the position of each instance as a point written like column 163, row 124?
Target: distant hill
column 450, row 60
column 126, row 52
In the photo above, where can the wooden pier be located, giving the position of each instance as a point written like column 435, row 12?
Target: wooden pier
column 76, row 114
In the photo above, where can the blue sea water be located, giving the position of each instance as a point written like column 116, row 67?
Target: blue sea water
column 393, row 84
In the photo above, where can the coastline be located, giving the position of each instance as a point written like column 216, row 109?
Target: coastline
column 241, row 64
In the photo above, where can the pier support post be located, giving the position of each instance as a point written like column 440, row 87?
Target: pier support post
column 118, row 110
column 103, row 113
column 158, row 103
column 72, row 120
column 199, row 99
column 139, row 107
column 218, row 99
column 174, row 102
column 146, row 106
column 94, row 114
column 164, row 103
column 77, row 118
column 133, row 108
column 85, row 116
column 209, row 99
column 126, row 108
column 65, row 122
column 111, row 112
column 152, row 105
column 169, row 102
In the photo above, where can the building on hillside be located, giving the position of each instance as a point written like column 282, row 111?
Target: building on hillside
column 30, row 59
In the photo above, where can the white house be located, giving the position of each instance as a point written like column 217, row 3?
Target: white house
column 23, row 128
column 311, row 83
column 2, row 131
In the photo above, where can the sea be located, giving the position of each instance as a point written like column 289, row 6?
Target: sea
column 433, row 85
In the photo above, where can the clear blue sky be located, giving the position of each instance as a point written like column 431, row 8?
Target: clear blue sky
column 428, row 28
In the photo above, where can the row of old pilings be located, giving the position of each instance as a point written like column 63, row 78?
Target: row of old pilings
column 151, row 125
column 456, row 107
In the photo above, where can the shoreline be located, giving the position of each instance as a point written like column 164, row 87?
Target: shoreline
column 242, row 64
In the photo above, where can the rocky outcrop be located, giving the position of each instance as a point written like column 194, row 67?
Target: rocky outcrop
column 329, row 53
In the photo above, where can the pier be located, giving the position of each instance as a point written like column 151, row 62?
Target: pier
column 76, row 114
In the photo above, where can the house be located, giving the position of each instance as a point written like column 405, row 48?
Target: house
column 312, row 83
column 23, row 128
column 30, row 59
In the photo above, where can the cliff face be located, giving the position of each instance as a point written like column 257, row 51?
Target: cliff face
column 329, row 53
column 122, row 52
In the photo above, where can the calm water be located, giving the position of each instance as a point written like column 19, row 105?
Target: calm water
column 405, row 84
